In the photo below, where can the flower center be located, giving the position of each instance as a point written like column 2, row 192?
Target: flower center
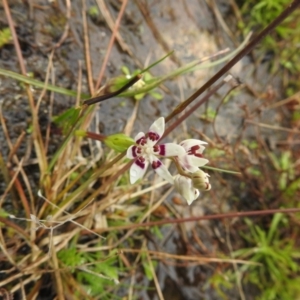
column 145, row 147
column 146, row 150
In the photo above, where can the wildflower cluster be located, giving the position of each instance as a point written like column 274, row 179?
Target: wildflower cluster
column 187, row 156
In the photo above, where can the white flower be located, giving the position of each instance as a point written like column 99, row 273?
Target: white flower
column 184, row 186
column 193, row 158
column 146, row 151
column 189, row 188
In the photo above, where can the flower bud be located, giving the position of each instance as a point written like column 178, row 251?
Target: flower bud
column 118, row 142
column 201, row 181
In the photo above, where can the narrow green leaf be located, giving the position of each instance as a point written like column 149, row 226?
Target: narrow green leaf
column 277, row 218
column 40, row 84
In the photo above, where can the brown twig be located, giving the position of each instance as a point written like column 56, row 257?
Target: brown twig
column 67, row 26
column 236, row 58
column 38, row 142
column 16, row 146
column 101, row 98
column 87, row 50
column 16, row 228
column 231, row 215
column 23, row 197
column 111, row 43
column 197, row 105
column 6, row 294
column 110, row 22
column 143, row 7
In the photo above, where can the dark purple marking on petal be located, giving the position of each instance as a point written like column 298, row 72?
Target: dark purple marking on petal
column 156, row 164
column 207, row 187
column 142, row 141
column 194, row 148
column 162, row 150
column 135, row 150
column 193, row 151
column 153, row 136
column 156, row 148
column 140, row 161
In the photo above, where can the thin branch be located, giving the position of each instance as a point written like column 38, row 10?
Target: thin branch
column 111, row 43
column 101, row 98
column 87, row 49
column 253, row 213
column 235, row 59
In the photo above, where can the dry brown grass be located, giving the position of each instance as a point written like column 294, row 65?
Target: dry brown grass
column 89, row 206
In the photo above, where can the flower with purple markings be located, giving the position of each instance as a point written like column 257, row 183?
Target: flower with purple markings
column 146, row 151
column 192, row 158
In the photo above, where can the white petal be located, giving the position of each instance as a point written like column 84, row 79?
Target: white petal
column 197, row 161
column 191, row 168
column 170, row 149
column 192, row 142
column 139, row 136
column 186, row 163
column 191, row 162
column 187, row 144
column 131, row 152
column 158, row 127
column 137, row 171
column 152, row 139
column 191, row 196
column 161, row 169
column 184, row 186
